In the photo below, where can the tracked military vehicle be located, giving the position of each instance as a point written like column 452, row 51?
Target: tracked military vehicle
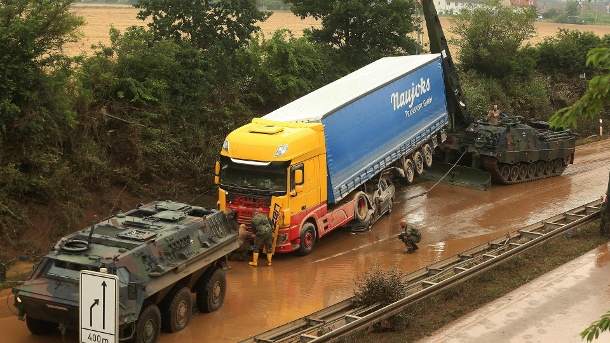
column 161, row 252
column 514, row 151
column 507, row 151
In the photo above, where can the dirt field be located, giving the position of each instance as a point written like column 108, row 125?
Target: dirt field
column 99, row 19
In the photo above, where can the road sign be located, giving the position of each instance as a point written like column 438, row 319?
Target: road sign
column 99, row 307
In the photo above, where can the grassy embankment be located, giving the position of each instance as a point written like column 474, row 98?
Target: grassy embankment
column 433, row 313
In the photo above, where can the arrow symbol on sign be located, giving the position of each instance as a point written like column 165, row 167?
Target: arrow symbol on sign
column 95, row 303
column 104, row 306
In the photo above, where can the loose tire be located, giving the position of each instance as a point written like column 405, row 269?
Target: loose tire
column 409, row 170
column 361, row 212
column 178, row 310
column 308, row 239
column 211, row 292
column 148, row 327
column 427, row 152
column 419, row 163
column 40, row 327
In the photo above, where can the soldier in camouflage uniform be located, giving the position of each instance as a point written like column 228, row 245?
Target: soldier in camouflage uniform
column 263, row 238
column 409, row 236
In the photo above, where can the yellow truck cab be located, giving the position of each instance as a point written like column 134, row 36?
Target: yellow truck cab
column 314, row 158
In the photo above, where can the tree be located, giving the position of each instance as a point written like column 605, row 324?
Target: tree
column 204, row 23
column 566, row 52
column 362, row 30
column 490, row 37
column 596, row 328
column 596, row 97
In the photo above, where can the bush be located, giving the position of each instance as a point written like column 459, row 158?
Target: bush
column 566, row 52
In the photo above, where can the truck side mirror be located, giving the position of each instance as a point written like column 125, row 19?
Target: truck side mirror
column 298, row 178
column 217, row 173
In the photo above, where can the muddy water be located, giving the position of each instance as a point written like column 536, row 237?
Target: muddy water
column 555, row 307
column 452, row 219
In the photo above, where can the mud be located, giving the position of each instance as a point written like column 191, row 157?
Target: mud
column 452, row 219
column 555, row 307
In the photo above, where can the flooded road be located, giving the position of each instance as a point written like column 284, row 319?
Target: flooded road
column 555, row 307
column 452, row 219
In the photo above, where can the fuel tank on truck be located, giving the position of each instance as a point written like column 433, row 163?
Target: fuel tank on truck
column 374, row 118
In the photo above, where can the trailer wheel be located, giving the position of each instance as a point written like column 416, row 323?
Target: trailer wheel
column 40, row 327
column 148, row 327
column 178, row 311
column 419, row 163
column 409, row 170
column 427, row 151
column 308, row 239
column 211, row 292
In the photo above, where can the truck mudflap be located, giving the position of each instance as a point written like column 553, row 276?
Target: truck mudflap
column 459, row 175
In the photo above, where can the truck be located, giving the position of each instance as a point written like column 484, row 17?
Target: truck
column 326, row 160
column 161, row 252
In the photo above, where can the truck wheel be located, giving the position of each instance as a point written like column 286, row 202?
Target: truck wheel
column 308, row 239
column 409, row 170
column 211, row 293
column 40, row 327
column 427, row 152
column 148, row 327
column 178, row 311
column 419, row 163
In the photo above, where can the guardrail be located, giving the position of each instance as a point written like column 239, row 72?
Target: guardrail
column 345, row 318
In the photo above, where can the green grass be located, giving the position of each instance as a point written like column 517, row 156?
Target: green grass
column 435, row 312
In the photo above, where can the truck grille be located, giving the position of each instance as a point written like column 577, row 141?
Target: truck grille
column 246, row 205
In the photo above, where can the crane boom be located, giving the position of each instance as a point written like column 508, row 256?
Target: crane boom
column 456, row 103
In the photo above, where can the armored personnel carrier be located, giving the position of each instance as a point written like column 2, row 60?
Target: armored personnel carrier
column 161, row 252
column 514, row 151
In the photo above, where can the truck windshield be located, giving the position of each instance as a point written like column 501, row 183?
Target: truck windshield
column 270, row 178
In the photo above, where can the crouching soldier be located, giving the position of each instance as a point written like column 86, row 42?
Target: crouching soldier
column 410, row 236
column 263, row 239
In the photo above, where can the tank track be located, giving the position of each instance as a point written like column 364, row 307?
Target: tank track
column 510, row 174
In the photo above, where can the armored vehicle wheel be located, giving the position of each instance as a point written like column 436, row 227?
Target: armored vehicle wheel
column 540, row 168
column 148, row 327
column 558, row 166
column 178, row 310
column 409, row 170
column 548, row 168
column 531, row 171
column 418, row 159
column 514, row 173
column 427, row 152
column 308, row 236
column 211, row 292
column 40, row 327
column 523, row 172
column 505, row 172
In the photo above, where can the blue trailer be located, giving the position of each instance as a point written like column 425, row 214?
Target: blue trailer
column 376, row 117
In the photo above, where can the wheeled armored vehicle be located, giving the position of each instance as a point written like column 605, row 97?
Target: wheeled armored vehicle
column 161, row 252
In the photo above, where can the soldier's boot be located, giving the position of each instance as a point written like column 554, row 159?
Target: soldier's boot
column 254, row 262
column 269, row 258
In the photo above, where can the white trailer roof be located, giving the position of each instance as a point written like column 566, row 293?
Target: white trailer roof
column 315, row 105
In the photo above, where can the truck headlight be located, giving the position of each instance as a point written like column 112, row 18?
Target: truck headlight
column 225, row 145
column 281, row 150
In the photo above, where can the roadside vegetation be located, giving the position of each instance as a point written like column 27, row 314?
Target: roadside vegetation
column 431, row 314
column 144, row 116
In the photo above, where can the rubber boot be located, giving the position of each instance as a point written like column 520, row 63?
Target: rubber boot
column 254, row 262
column 269, row 258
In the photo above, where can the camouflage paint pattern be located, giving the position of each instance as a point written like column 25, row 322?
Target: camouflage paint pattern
column 151, row 249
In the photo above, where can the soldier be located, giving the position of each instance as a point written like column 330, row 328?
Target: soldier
column 493, row 116
column 263, row 238
column 409, row 236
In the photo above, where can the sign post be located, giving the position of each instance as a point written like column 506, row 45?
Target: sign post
column 98, row 307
